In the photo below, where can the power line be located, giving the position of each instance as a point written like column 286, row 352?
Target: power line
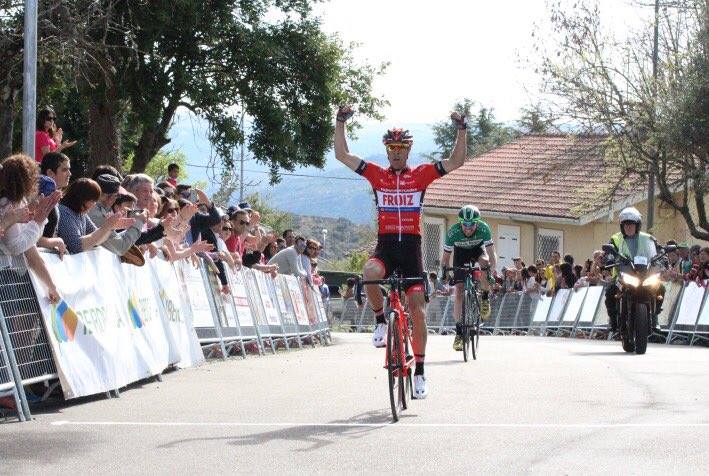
column 281, row 173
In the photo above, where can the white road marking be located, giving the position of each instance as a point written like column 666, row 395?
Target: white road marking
column 381, row 425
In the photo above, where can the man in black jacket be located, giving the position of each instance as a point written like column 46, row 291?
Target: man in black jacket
column 201, row 227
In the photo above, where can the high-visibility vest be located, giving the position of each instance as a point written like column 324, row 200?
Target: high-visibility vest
column 646, row 247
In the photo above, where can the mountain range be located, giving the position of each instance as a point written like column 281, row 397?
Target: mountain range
column 333, row 191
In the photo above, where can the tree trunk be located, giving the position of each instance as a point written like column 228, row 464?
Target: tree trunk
column 8, row 98
column 154, row 138
column 149, row 144
column 104, row 134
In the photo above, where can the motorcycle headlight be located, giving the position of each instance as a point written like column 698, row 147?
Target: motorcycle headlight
column 652, row 281
column 630, row 280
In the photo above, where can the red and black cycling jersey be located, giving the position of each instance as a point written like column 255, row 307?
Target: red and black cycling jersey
column 399, row 196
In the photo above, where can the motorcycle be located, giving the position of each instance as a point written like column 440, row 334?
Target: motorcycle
column 638, row 296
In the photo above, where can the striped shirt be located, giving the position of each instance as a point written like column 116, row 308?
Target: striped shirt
column 72, row 227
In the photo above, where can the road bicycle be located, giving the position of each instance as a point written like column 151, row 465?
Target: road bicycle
column 470, row 322
column 399, row 360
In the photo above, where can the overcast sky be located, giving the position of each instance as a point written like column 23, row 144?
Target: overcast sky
column 445, row 50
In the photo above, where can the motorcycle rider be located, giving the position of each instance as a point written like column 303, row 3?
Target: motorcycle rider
column 629, row 242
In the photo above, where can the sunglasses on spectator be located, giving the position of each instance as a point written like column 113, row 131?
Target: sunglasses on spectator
column 242, row 222
column 397, row 146
column 227, row 228
column 52, row 118
column 172, row 210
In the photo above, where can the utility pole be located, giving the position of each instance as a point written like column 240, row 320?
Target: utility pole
column 241, row 160
column 651, row 178
column 29, row 79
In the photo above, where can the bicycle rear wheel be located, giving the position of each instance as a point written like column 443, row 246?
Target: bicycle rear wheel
column 395, row 370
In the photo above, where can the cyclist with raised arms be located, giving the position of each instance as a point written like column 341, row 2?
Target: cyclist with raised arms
column 398, row 192
column 470, row 241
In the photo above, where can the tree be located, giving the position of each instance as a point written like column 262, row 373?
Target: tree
column 535, row 120
column 484, row 132
column 656, row 119
column 220, row 59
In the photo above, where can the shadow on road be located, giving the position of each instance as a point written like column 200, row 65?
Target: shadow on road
column 445, row 362
column 619, row 353
column 317, row 436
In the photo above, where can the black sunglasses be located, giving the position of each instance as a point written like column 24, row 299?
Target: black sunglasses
column 227, row 228
column 242, row 222
column 52, row 118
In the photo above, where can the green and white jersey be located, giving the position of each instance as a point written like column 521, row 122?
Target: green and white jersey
column 455, row 238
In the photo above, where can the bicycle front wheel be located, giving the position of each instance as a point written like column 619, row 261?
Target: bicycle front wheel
column 465, row 326
column 395, row 370
column 474, row 320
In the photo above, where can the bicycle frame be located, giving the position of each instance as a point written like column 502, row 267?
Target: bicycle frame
column 401, row 321
column 397, row 360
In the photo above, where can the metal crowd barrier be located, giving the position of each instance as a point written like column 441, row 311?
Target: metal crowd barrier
column 575, row 313
column 261, row 311
column 9, row 374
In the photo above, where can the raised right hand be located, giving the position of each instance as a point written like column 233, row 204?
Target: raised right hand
column 344, row 113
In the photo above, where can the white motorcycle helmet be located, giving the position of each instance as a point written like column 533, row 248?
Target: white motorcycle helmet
column 630, row 215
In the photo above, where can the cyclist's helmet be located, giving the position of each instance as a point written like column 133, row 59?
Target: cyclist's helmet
column 398, row 136
column 630, row 215
column 469, row 215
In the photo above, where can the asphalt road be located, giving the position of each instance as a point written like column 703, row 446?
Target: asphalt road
column 528, row 405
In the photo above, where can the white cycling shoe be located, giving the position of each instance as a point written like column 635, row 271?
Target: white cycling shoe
column 420, row 388
column 380, row 335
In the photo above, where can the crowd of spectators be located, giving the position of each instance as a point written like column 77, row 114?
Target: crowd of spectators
column 41, row 206
column 546, row 278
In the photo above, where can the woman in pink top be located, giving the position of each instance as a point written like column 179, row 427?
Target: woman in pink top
column 48, row 138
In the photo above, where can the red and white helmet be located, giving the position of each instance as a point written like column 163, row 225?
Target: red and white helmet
column 398, row 136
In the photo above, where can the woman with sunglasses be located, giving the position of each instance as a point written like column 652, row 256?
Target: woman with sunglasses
column 175, row 217
column 398, row 192
column 48, row 137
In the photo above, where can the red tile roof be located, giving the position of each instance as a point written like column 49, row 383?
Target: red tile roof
column 547, row 175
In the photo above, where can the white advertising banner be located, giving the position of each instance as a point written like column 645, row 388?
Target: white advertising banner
column 542, row 309
column 296, row 294
column 177, row 314
column 103, row 336
column 690, row 305
column 588, row 311
column 558, row 304
column 237, row 285
column 268, row 298
column 284, row 301
column 196, row 293
column 575, row 302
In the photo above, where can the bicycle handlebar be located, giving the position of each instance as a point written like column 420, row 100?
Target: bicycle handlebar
column 394, row 280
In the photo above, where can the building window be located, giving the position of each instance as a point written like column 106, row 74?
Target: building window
column 433, row 236
column 549, row 241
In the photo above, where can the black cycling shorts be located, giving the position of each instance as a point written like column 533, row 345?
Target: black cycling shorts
column 463, row 256
column 404, row 255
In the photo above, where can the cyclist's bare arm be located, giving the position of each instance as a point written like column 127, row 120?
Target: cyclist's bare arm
column 342, row 152
column 492, row 257
column 460, row 149
column 445, row 259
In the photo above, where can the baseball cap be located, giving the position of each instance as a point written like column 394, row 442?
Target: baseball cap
column 47, row 185
column 109, row 183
